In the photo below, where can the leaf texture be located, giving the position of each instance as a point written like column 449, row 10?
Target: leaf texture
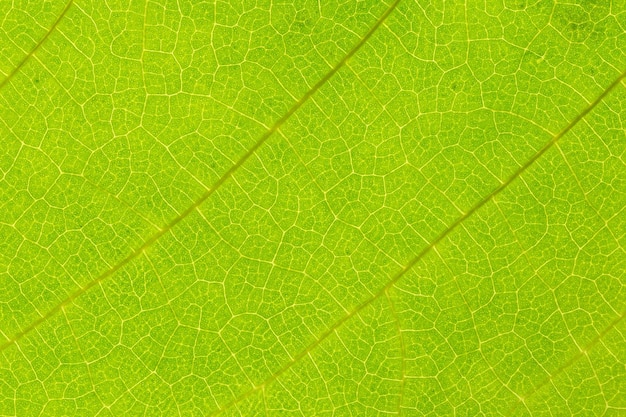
column 312, row 208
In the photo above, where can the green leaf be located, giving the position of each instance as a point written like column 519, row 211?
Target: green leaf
column 312, row 208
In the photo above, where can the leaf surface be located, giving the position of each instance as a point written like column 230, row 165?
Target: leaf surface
column 322, row 208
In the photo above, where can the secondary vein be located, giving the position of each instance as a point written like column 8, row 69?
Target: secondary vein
column 19, row 66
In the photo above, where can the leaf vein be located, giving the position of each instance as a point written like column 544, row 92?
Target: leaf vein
column 27, row 57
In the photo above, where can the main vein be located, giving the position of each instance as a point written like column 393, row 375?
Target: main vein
column 183, row 215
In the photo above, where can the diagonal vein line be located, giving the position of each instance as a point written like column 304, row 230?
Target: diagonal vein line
column 32, row 52
column 395, row 278
column 152, row 239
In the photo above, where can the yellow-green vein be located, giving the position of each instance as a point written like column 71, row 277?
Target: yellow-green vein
column 19, row 66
